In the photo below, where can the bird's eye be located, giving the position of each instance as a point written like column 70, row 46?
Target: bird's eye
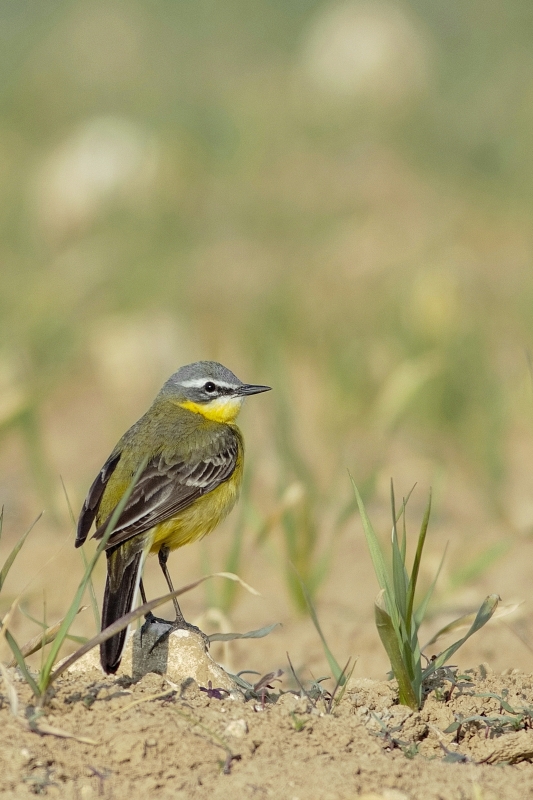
column 210, row 387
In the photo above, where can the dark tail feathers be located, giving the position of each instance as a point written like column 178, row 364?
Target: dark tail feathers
column 117, row 604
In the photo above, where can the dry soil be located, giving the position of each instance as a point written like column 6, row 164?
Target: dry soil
column 110, row 738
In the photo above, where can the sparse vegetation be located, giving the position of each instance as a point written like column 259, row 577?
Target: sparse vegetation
column 397, row 619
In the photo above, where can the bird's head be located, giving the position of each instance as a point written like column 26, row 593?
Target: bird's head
column 209, row 389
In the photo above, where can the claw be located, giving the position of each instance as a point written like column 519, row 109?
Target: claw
column 150, row 619
column 177, row 625
column 162, row 638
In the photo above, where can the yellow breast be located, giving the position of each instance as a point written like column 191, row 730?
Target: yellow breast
column 201, row 517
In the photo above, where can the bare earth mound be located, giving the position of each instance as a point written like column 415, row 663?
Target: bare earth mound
column 151, row 739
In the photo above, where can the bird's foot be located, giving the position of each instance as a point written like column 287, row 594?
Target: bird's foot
column 151, row 619
column 176, row 625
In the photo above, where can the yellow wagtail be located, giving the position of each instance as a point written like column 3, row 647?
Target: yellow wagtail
column 190, row 483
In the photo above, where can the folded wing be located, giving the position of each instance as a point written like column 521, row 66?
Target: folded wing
column 162, row 491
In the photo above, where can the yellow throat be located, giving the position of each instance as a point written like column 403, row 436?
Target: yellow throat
column 221, row 409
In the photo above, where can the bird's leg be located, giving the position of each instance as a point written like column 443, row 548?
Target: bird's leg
column 143, row 593
column 162, row 556
column 179, row 623
column 150, row 617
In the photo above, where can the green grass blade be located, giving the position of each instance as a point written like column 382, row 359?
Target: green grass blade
column 320, row 570
column 420, row 612
column 389, row 639
column 230, row 637
column 36, row 621
column 399, row 575
column 400, row 580
column 418, row 558
column 92, row 593
column 461, row 622
column 413, row 662
column 403, row 545
column 393, row 510
column 228, row 575
column 43, row 638
column 19, row 658
column 43, row 632
column 376, row 555
column 73, row 610
column 341, row 681
column 348, row 677
column 14, row 553
column 332, row 661
column 484, row 614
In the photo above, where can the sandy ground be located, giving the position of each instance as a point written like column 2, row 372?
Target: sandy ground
column 151, row 739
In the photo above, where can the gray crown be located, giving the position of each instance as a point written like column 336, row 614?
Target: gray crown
column 204, row 381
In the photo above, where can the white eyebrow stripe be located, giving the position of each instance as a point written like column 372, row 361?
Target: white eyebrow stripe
column 197, row 383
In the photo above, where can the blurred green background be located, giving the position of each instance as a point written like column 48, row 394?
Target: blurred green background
column 332, row 198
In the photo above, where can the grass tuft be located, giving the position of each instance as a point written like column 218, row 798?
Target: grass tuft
column 397, row 620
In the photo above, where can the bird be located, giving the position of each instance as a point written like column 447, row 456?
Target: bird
column 193, row 454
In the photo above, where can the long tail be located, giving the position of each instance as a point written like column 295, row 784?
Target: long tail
column 118, row 601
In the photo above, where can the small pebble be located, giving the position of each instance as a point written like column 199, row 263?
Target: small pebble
column 236, row 728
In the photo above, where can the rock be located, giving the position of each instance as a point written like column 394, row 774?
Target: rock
column 236, row 728
column 183, row 655
column 180, row 656
column 150, row 650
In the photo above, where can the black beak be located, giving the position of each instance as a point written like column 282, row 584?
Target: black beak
column 251, row 388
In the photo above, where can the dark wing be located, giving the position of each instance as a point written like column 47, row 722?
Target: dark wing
column 94, row 497
column 163, row 490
